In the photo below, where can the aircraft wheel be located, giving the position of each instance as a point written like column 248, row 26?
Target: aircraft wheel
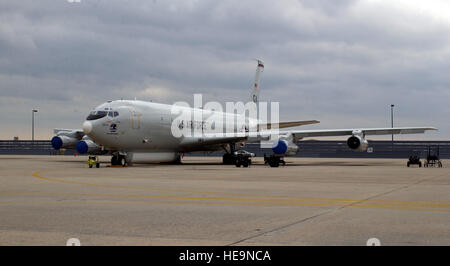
column 122, row 161
column 118, row 160
column 274, row 163
column 226, row 158
column 229, row 158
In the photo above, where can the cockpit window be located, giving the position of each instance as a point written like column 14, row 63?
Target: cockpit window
column 116, row 114
column 94, row 115
column 111, row 114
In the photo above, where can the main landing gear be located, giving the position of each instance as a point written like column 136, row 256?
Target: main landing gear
column 274, row 160
column 242, row 160
column 239, row 158
column 229, row 157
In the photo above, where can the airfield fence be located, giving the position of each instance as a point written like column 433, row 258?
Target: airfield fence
column 28, row 147
column 307, row 148
column 377, row 149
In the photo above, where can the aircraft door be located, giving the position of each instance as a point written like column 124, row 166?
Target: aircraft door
column 135, row 118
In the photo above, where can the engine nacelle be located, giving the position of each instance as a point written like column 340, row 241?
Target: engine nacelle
column 62, row 141
column 87, row 146
column 357, row 143
column 284, row 147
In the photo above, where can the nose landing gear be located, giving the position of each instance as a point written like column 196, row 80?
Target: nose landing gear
column 118, row 160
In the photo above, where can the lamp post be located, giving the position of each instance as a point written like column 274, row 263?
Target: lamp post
column 392, row 126
column 32, row 123
column 392, row 120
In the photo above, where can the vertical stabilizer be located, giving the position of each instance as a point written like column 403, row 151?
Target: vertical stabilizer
column 255, row 89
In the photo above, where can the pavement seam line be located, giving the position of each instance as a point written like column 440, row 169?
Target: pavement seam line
column 333, row 211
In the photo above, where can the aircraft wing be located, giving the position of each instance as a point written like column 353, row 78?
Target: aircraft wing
column 299, row 134
column 291, row 124
column 210, row 139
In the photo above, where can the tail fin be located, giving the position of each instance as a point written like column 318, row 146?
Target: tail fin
column 255, row 90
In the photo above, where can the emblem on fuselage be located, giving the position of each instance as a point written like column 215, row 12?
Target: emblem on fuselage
column 113, row 128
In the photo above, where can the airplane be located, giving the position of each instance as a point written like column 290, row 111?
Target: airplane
column 134, row 131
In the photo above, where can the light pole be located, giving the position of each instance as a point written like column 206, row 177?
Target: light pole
column 392, row 120
column 32, row 123
column 392, row 126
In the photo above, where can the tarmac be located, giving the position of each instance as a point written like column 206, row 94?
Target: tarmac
column 46, row 200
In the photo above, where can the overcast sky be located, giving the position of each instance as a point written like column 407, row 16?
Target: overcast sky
column 340, row 62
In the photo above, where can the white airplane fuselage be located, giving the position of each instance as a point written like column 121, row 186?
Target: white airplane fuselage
column 138, row 126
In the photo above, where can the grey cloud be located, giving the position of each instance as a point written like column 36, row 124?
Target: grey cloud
column 336, row 61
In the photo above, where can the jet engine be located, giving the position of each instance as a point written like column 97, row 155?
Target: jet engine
column 62, row 141
column 86, row 145
column 285, row 147
column 357, row 143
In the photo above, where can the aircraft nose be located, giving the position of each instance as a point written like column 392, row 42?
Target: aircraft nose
column 87, row 127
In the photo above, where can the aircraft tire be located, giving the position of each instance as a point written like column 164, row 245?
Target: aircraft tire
column 118, row 160
column 122, row 161
column 274, row 163
column 229, row 159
